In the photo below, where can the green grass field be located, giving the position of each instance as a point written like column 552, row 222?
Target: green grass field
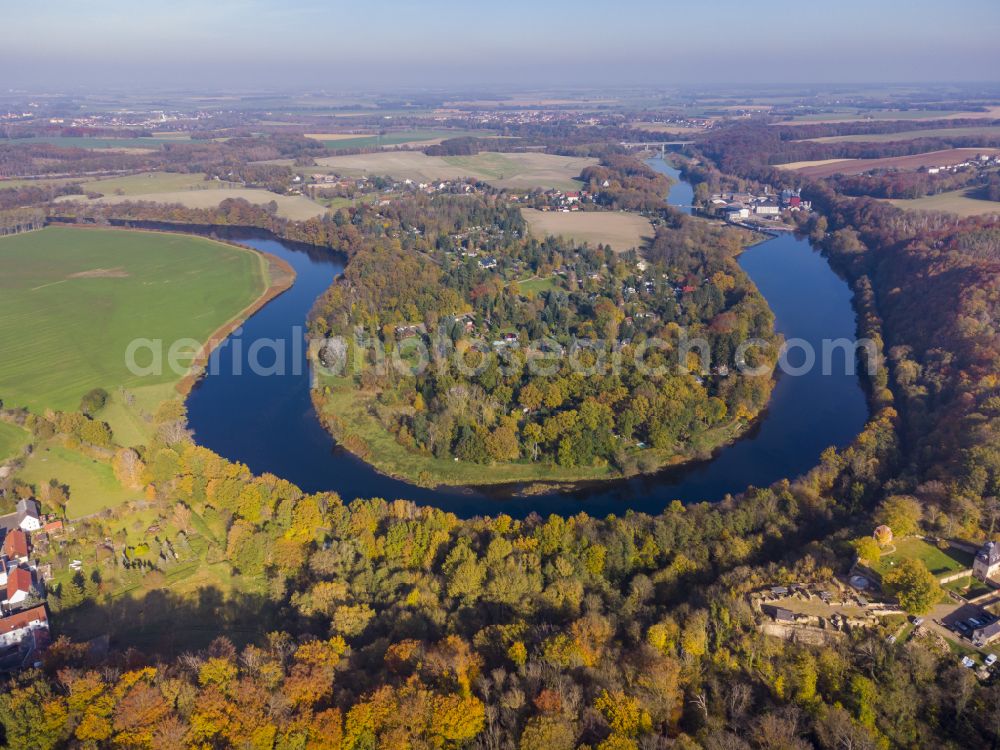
column 968, row 587
column 939, row 562
column 71, row 301
column 12, row 440
column 535, row 286
column 92, row 484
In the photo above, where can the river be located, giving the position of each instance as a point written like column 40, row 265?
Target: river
column 268, row 422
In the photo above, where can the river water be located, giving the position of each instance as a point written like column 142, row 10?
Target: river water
column 268, row 422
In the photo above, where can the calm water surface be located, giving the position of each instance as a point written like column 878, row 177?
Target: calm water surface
column 267, row 422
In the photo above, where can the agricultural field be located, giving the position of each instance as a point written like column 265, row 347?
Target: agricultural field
column 147, row 183
column 961, row 202
column 71, row 301
column 984, row 131
column 853, row 115
column 619, row 229
column 830, row 167
column 795, row 166
column 344, row 141
column 132, row 184
column 513, row 170
column 940, row 562
column 296, row 207
column 12, row 440
column 98, row 143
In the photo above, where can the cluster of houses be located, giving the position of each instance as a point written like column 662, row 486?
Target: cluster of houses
column 739, row 207
column 319, row 182
column 24, row 624
column 982, row 161
column 563, row 200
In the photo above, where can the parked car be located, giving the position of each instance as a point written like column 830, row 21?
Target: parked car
column 918, row 621
column 990, row 660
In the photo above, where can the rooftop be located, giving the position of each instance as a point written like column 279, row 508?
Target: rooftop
column 19, row 620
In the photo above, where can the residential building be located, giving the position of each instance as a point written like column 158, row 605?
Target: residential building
column 29, row 514
column 15, row 546
column 986, row 635
column 19, row 586
column 987, row 562
column 15, row 628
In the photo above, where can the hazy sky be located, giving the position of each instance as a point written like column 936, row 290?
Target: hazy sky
column 462, row 42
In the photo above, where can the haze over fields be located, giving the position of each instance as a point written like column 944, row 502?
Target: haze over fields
column 440, row 43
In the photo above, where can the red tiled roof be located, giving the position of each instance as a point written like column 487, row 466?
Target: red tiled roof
column 21, row 619
column 16, row 543
column 18, row 580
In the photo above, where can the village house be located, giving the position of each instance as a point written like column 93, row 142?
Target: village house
column 20, row 585
column 23, row 636
column 15, row 628
column 410, row 330
column 15, row 546
column 987, row 562
column 29, row 514
column 986, row 635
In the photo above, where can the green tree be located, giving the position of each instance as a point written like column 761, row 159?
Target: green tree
column 902, row 514
column 914, row 585
column 93, row 401
column 867, row 548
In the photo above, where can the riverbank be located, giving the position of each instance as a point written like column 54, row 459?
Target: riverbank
column 270, row 424
column 279, row 277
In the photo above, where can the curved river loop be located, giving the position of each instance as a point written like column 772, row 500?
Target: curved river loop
column 268, row 421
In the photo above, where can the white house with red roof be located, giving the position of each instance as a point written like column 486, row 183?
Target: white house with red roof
column 14, row 628
column 20, row 585
column 16, row 547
